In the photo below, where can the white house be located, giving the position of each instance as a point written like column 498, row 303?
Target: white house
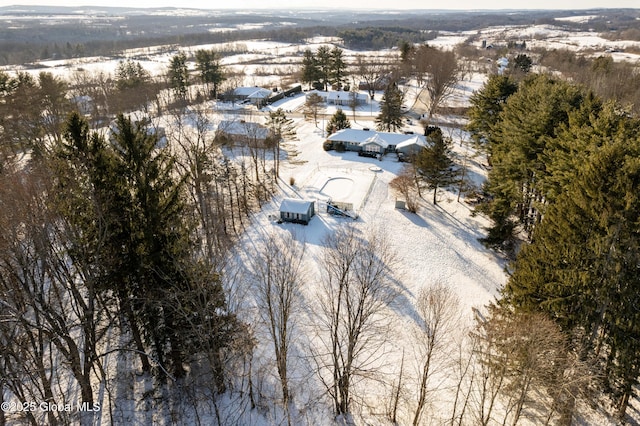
column 374, row 146
column 410, row 147
column 257, row 96
column 242, row 131
column 340, row 98
column 354, row 139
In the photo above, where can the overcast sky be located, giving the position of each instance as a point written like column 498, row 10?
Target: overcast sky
column 351, row 4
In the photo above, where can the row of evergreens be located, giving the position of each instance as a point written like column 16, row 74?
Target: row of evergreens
column 565, row 174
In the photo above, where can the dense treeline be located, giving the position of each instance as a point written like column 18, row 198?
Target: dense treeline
column 609, row 79
column 376, row 38
column 565, row 174
column 113, row 242
column 42, row 39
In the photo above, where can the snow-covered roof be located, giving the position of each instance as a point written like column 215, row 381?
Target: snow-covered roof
column 293, row 205
column 243, row 128
column 333, row 95
column 415, row 140
column 252, row 92
column 360, row 136
column 376, row 139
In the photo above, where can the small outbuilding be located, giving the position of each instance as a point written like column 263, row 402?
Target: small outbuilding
column 296, row 210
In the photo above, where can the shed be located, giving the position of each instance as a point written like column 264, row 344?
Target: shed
column 296, row 210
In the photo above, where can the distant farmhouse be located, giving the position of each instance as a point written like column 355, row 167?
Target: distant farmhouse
column 257, row 96
column 373, row 143
column 340, row 98
column 242, row 132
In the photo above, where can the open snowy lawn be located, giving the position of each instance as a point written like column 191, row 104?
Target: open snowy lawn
column 439, row 244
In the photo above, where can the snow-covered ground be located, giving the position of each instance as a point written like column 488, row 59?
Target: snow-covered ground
column 438, row 244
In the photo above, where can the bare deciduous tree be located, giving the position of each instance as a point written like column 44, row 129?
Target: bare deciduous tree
column 278, row 273
column 438, row 308
column 352, row 326
column 437, row 72
column 405, row 184
column 312, row 106
column 49, row 299
column 371, row 73
column 521, row 355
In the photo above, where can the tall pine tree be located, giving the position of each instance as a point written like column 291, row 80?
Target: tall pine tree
column 582, row 266
column 517, row 143
column 434, row 163
column 390, row 117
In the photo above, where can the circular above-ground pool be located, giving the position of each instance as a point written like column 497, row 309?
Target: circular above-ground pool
column 338, row 188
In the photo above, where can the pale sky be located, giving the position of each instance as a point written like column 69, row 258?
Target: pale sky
column 342, row 4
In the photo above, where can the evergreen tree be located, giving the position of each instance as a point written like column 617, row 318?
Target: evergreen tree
column 136, row 88
column 338, row 121
column 434, row 163
column 522, row 63
column 338, row 68
column 130, row 75
column 324, row 61
column 128, row 203
column 310, row 70
column 158, row 239
column 390, row 117
column 407, row 50
column 211, row 73
column 582, row 266
column 486, row 105
column 178, row 75
column 54, row 103
column 517, row 144
column 93, row 196
column 21, row 121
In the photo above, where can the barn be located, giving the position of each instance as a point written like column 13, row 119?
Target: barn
column 296, row 210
